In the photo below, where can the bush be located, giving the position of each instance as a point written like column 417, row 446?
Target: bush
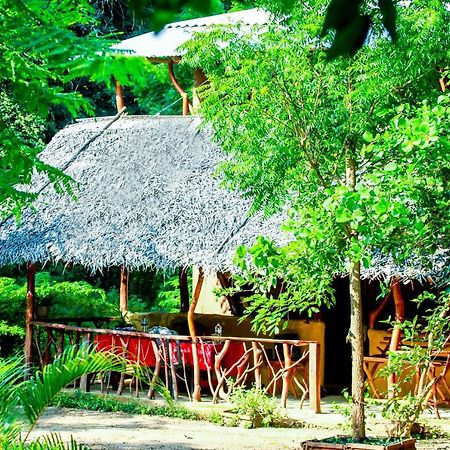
column 257, row 405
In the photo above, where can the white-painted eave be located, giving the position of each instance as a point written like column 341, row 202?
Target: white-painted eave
column 166, row 43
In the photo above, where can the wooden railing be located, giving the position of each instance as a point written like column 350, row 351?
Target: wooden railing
column 217, row 364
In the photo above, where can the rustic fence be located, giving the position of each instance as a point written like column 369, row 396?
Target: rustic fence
column 210, row 364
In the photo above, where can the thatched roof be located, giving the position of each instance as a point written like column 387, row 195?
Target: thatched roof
column 146, row 198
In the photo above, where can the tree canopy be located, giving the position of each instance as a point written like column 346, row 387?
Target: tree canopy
column 356, row 147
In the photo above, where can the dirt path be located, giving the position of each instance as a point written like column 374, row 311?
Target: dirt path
column 118, row 431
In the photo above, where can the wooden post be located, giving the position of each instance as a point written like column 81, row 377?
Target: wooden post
column 178, row 88
column 85, row 385
column 29, row 317
column 60, row 345
column 184, row 289
column 119, row 96
column 196, row 395
column 256, row 362
column 314, row 376
column 124, row 275
column 191, row 312
column 287, row 375
column 396, row 332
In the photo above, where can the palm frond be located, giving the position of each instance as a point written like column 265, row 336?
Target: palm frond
column 11, row 375
column 52, row 441
column 38, row 392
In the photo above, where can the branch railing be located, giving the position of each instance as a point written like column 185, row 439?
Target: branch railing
column 215, row 364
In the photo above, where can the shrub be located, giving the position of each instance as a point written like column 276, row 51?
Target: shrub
column 256, row 404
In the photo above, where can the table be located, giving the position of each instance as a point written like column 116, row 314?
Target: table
column 159, row 352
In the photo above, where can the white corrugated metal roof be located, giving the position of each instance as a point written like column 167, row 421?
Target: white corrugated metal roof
column 165, row 43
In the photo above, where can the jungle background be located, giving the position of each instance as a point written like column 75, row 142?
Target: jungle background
column 147, row 90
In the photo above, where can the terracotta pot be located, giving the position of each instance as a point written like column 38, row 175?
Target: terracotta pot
column 406, row 444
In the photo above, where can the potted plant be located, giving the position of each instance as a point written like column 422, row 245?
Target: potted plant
column 345, row 443
column 122, row 321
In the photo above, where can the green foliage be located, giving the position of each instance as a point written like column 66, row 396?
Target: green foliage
column 168, row 298
column 291, row 121
column 357, row 149
column 107, row 403
column 35, row 394
column 10, row 330
column 423, row 339
column 40, row 51
column 255, row 404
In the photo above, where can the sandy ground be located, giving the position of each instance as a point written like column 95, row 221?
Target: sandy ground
column 118, row 431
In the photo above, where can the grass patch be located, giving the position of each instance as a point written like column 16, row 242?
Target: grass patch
column 105, row 403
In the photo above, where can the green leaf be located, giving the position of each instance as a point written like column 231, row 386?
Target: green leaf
column 390, row 167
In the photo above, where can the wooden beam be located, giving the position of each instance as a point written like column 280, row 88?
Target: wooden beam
column 314, row 376
column 396, row 332
column 120, row 103
column 179, row 89
column 29, row 317
column 124, row 277
column 191, row 312
column 196, row 395
column 184, row 289
column 85, row 385
column 373, row 315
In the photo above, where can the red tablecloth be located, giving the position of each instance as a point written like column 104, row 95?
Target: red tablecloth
column 140, row 350
column 133, row 348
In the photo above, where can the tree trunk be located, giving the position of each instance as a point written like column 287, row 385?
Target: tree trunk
column 356, row 333
column 357, row 343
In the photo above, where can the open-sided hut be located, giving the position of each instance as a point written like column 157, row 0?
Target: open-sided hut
column 144, row 196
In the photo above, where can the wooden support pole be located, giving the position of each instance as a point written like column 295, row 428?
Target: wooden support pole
column 191, row 312
column 314, row 376
column 184, row 289
column 373, row 315
column 396, row 332
column 29, row 317
column 124, row 276
column 85, row 385
column 60, row 345
column 196, row 395
column 178, row 88
column 120, row 103
column 257, row 363
column 287, row 375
